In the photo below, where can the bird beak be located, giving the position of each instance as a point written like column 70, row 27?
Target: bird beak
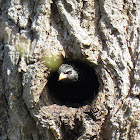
column 62, row 76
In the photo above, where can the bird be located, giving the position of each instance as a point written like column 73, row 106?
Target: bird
column 74, row 82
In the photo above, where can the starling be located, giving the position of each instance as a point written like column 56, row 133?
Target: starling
column 74, row 83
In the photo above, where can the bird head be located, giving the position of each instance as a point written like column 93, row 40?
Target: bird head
column 67, row 73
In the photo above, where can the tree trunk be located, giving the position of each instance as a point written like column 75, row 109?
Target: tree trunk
column 104, row 34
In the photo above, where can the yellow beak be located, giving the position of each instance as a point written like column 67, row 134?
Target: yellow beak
column 62, row 76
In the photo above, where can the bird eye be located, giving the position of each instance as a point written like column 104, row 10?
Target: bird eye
column 68, row 72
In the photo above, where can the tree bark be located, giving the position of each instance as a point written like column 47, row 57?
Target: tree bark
column 104, row 34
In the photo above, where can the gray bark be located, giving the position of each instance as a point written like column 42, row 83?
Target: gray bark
column 104, row 33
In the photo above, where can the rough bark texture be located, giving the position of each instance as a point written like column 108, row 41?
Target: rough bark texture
column 104, row 33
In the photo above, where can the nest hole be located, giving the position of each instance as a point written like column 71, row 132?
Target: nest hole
column 78, row 93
